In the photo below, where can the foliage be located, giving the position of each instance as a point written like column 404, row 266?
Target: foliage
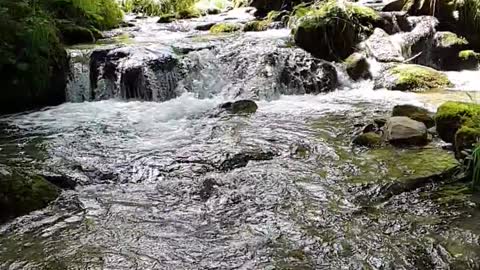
column 157, row 7
column 475, row 167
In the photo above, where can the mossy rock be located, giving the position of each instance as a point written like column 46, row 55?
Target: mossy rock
column 188, row 13
column 415, row 78
column 21, row 193
column 331, row 31
column 276, row 16
column 449, row 39
column 357, row 67
column 369, row 139
column 468, row 59
column 451, row 116
column 466, row 138
column 225, row 28
column 256, row 26
column 415, row 113
column 73, row 34
column 167, row 18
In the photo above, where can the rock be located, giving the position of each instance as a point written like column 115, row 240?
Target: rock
column 213, row 11
column 466, row 138
column 188, row 13
column 167, row 18
column 256, row 26
column 357, row 67
column 21, row 193
column 300, row 151
column 394, row 22
column 409, row 77
column 225, row 28
column 127, row 24
column 369, row 139
column 265, row 6
column 415, row 113
column 467, row 59
column 451, row 116
column 240, row 107
column 445, row 54
column 331, row 31
column 381, row 47
column 73, row 34
column 204, row 27
column 403, row 131
column 241, row 159
column 380, row 122
column 395, row 5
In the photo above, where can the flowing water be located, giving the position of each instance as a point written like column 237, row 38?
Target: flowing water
column 164, row 184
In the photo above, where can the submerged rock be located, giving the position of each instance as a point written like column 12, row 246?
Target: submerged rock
column 205, row 26
column 241, row 159
column 400, row 131
column 357, row 67
column 331, row 31
column 240, row 107
column 21, row 193
column 369, row 139
column 409, row 77
column 416, row 113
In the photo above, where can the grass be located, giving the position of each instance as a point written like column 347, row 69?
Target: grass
column 475, row 165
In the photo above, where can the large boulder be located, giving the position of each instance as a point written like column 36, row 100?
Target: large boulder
column 332, row 30
column 409, row 77
column 21, row 192
column 401, row 130
column 357, row 67
column 394, row 22
column 382, row 48
column 451, row 116
column 446, row 50
column 416, row 113
column 74, row 34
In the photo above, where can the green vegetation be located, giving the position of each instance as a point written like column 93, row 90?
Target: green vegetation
column 181, row 8
column 369, row 139
column 468, row 54
column 225, row 28
column 418, row 78
column 33, row 62
column 450, row 39
column 331, row 30
column 469, row 20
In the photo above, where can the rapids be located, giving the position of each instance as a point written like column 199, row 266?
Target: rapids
column 154, row 188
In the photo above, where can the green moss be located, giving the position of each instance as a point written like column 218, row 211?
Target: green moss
column 468, row 54
column 188, row 13
column 451, row 116
column 418, row 78
column 21, row 193
column 357, row 66
column 370, row 139
column 391, row 164
column 449, row 39
column 256, row 26
column 225, row 28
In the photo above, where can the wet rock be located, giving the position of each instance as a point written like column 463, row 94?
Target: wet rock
column 127, row 24
column 466, row 59
column 225, row 28
column 408, row 77
column 213, row 11
column 59, row 180
column 451, row 116
column 74, row 34
column 167, row 18
column 300, row 151
column 205, row 26
column 241, row 159
column 446, row 50
column 415, row 113
column 145, row 73
column 380, row 122
column 256, row 26
column 240, row 107
column 381, row 47
column 368, row 139
column 208, row 187
column 417, row 44
column 403, row 131
column 331, row 32
column 22, row 192
column 394, row 22
column 264, row 71
column 395, row 5
column 263, row 7
column 357, row 67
